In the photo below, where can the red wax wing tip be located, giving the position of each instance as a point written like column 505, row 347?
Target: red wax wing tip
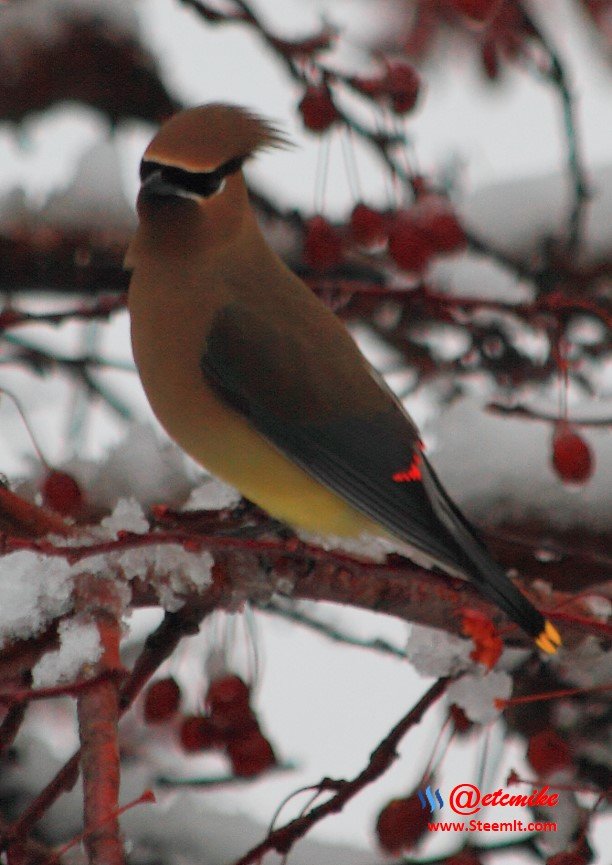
column 412, row 473
column 487, row 643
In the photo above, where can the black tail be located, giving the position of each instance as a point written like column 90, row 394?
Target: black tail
column 489, row 577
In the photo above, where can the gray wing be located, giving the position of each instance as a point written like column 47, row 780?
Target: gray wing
column 327, row 413
column 295, row 406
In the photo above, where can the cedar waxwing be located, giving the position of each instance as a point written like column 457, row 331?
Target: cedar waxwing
column 260, row 382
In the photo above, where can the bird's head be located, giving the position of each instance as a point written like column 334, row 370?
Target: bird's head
column 198, row 155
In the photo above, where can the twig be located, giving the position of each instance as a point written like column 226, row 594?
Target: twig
column 282, row 840
column 41, row 358
column 557, row 76
column 10, row 725
column 158, row 646
column 11, row 317
column 294, row 614
column 533, row 414
column 28, row 520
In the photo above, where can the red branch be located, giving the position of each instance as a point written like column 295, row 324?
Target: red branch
column 24, row 519
column 403, row 590
column 23, row 695
column 158, row 646
column 98, row 713
column 145, row 798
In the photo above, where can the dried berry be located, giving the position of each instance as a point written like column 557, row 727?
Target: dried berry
column 322, row 244
column 62, row 493
column 401, row 824
column 568, row 857
column 198, row 733
column 226, row 691
column 250, row 755
column 465, row 857
column 572, row 458
column 437, row 219
column 461, row 722
column 548, row 752
column 478, row 10
column 409, row 247
column 402, row 85
column 368, row 227
column 227, row 702
column 162, row 700
column 317, row 108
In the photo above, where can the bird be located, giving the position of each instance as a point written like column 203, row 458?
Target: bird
column 261, row 383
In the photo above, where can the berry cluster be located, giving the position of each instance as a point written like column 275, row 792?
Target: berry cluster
column 228, row 724
column 413, row 236
column 396, row 87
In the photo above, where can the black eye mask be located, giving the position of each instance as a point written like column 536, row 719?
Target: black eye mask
column 200, row 183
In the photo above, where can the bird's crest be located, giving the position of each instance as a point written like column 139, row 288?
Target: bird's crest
column 203, row 138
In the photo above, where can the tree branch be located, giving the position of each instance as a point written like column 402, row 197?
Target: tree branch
column 282, row 840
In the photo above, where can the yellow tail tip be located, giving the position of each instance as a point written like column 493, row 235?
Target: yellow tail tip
column 549, row 640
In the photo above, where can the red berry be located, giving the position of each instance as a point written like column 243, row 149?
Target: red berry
column 234, row 721
column 227, row 701
column 161, row 700
column 61, row 492
column 569, row 857
column 401, row 823
column 374, row 86
column 317, row 108
column 479, row 10
column 368, row 227
column 250, row 755
column 571, row 456
column 437, row 219
column 402, row 84
column 490, row 59
column 322, row 244
column 198, row 733
column 409, row 247
column 227, row 691
column 399, row 85
column 461, row 722
column 465, row 857
column 548, row 752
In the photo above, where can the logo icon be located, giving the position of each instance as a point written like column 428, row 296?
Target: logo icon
column 430, row 799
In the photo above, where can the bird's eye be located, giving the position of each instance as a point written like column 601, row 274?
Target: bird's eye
column 147, row 168
column 195, row 183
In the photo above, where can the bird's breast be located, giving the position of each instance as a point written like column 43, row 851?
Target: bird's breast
column 169, row 328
